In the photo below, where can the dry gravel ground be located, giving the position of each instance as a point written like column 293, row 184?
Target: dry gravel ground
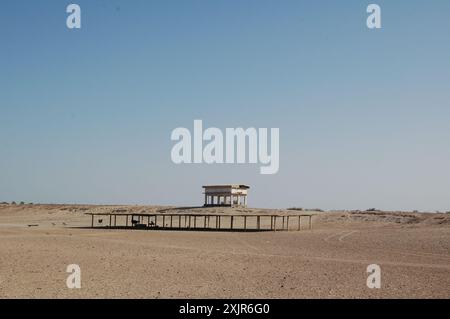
column 330, row 261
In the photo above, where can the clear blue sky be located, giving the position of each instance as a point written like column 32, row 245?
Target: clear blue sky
column 364, row 115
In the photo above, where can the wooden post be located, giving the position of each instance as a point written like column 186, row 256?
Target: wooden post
column 310, row 222
column 232, row 217
column 245, row 222
column 156, row 220
column 299, row 222
column 190, row 221
column 179, row 221
column 110, row 217
column 219, row 221
column 126, row 222
column 287, row 227
column 164, row 221
column 92, row 221
column 258, row 221
column 171, row 221
column 274, row 223
column 204, row 221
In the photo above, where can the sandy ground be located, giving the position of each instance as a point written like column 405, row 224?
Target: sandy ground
column 330, row 261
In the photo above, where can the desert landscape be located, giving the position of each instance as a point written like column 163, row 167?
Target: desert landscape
column 329, row 261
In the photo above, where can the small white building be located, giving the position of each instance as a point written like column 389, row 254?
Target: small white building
column 226, row 195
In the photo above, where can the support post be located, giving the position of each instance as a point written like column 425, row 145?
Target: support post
column 258, row 221
column 92, row 221
column 245, row 222
column 232, row 217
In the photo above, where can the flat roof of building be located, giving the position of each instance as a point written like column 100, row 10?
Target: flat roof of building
column 228, row 185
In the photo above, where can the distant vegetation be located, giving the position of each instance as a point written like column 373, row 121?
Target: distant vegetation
column 14, row 203
column 296, row 208
column 371, row 210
